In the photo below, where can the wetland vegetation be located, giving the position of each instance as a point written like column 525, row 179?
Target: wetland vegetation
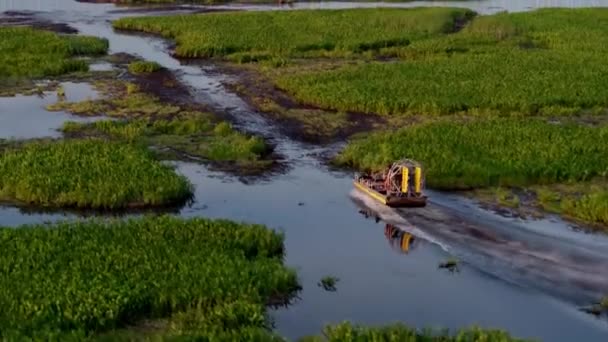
column 202, row 279
column 31, row 53
column 180, row 132
column 198, row 278
column 348, row 332
column 425, row 62
column 87, row 174
column 506, row 152
column 252, row 36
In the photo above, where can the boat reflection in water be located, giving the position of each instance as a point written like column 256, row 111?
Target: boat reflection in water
column 400, row 240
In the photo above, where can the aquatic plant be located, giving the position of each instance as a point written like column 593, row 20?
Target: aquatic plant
column 204, row 278
column 347, row 332
column 263, row 35
column 91, row 173
column 451, row 264
column 31, row 53
column 328, row 283
column 140, row 67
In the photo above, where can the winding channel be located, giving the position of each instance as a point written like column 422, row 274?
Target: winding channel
column 527, row 277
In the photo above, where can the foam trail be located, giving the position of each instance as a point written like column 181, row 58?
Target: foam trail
column 528, row 260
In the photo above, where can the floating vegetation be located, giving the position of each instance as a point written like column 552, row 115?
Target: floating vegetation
column 31, row 53
column 452, row 265
column 348, row 332
column 266, row 35
column 87, row 174
column 209, row 279
column 141, row 67
column 328, row 283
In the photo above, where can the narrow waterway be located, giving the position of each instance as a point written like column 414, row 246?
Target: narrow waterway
column 527, row 277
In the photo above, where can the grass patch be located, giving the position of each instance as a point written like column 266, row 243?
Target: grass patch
column 88, row 174
column 492, row 152
column 347, row 332
column 263, row 35
column 30, row 53
column 142, row 67
column 209, row 279
column 546, row 62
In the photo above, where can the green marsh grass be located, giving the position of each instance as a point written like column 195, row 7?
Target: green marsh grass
column 582, row 201
column 141, row 67
column 30, row 53
column 562, row 162
column 483, row 153
column 545, row 62
column 349, row 332
column 88, row 174
column 208, row 278
column 251, row 36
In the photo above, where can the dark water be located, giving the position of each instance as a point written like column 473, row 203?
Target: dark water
column 523, row 276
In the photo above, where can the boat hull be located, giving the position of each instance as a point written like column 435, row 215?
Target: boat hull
column 391, row 201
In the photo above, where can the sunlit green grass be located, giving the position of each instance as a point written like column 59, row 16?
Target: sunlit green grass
column 88, row 174
column 140, row 67
column 547, row 62
column 481, row 153
column 207, row 278
column 33, row 53
column 562, row 163
column 268, row 34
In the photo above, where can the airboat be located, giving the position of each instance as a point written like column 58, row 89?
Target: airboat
column 399, row 185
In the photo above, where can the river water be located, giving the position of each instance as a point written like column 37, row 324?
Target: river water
column 527, row 277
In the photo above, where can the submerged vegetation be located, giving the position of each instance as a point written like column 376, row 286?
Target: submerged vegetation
column 207, row 279
column 88, row 174
column 32, row 53
column 251, row 36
